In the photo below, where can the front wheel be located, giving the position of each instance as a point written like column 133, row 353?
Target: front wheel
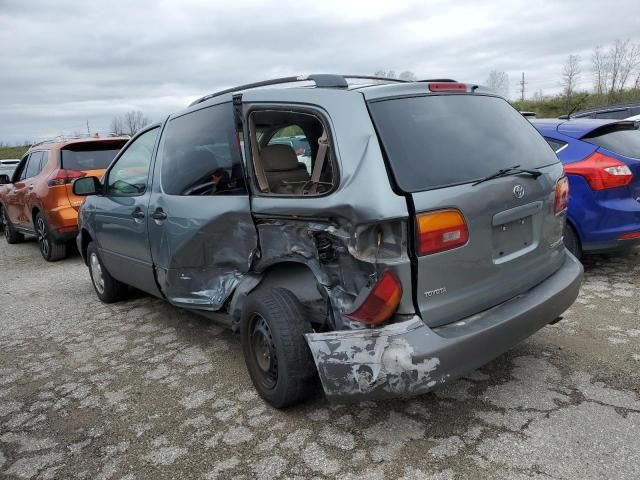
column 108, row 289
column 278, row 359
column 51, row 250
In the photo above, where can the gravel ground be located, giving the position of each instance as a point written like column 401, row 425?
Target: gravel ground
column 144, row 390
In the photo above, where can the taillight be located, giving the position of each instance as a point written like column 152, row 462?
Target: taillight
column 447, row 87
column 381, row 302
column 441, row 230
column 62, row 176
column 601, row 171
column 562, row 195
column 629, row 236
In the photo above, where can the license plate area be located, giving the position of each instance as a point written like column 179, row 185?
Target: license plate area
column 512, row 239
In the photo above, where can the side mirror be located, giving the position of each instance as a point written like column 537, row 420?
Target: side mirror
column 4, row 179
column 87, row 186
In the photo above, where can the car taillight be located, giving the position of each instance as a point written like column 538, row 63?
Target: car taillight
column 629, row 236
column 601, row 171
column 441, row 230
column 62, row 176
column 447, row 87
column 562, row 195
column 381, row 302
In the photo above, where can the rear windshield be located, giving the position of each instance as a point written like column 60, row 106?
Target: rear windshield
column 437, row 141
column 90, row 156
column 621, row 138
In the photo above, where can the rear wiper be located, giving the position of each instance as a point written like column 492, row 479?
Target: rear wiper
column 509, row 170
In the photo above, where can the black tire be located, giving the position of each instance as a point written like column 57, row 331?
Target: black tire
column 10, row 234
column 278, row 359
column 571, row 241
column 108, row 289
column 51, row 250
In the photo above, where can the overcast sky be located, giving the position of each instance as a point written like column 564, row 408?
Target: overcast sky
column 65, row 62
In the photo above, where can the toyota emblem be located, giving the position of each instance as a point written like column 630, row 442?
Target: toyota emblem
column 518, row 191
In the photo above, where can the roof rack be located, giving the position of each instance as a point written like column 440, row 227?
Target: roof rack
column 322, row 80
column 59, row 139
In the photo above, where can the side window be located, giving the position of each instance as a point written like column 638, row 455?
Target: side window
column 33, row 167
column 44, row 160
column 557, row 145
column 291, row 153
column 129, row 175
column 200, row 154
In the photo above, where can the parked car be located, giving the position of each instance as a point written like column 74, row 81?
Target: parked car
column 38, row 199
column 299, row 144
column 617, row 112
column 414, row 251
column 635, row 118
column 7, row 167
column 602, row 161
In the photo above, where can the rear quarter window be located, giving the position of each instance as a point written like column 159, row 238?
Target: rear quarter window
column 442, row 140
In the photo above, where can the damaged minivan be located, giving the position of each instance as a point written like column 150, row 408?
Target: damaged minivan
column 416, row 238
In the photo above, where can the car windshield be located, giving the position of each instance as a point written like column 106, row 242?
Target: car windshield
column 90, row 156
column 621, row 138
column 441, row 140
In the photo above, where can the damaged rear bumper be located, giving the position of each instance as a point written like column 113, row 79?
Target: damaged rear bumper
column 409, row 358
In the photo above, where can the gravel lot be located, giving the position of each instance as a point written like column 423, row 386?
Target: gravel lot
column 144, row 390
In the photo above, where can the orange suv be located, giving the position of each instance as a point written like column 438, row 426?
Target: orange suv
column 39, row 201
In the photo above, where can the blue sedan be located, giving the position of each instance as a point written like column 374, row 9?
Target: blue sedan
column 602, row 161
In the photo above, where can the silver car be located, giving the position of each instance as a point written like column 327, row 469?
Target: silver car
column 7, row 167
column 424, row 240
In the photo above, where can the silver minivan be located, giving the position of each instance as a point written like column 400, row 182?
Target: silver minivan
column 424, row 239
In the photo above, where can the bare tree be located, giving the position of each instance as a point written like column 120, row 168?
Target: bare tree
column 629, row 64
column 385, row 74
column 499, row 82
column 129, row 123
column 134, row 121
column 600, row 65
column 571, row 75
column 116, row 128
column 408, row 76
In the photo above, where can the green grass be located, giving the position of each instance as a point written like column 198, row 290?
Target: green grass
column 553, row 107
column 13, row 152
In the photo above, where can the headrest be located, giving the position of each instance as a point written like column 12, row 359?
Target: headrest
column 278, row 158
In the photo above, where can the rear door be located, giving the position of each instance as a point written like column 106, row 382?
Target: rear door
column 121, row 214
column 438, row 146
column 200, row 226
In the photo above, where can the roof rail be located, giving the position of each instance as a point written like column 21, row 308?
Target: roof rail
column 59, row 138
column 321, row 80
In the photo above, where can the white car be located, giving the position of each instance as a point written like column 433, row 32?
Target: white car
column 635, row 117
column 7, row 166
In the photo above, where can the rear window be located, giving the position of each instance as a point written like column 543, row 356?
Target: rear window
column 90, row 156
column 438, row 141
column 622, row 138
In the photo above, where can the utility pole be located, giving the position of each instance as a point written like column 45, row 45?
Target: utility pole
column 88, row 131
column 522, row 84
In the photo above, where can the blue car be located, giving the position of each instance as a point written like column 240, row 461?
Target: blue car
column 602, row 161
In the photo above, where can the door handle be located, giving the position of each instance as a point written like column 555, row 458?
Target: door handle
column 137, row 213
column 158, row 214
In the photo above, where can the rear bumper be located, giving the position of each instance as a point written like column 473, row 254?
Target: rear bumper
column 409, row 358
column 63, row 223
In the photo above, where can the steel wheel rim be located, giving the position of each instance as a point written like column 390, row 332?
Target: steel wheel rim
column 43, row 239
column 263, row 351
column 96, row 273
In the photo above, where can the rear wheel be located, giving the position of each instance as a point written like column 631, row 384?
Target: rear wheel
column 51, row 250
column 10, row 234
column 108, row 289
column 277, row 356
column 571, row 241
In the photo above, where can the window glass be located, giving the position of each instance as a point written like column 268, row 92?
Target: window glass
column 129, row 175
column 555, row 144
column 441, row 140
column 90, row 155
column 294, row 136
column 200, row 154
column 44, row 160
column 33, row 167
column 622, row 138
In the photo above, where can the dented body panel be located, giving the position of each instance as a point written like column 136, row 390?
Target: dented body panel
column 410, row 358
